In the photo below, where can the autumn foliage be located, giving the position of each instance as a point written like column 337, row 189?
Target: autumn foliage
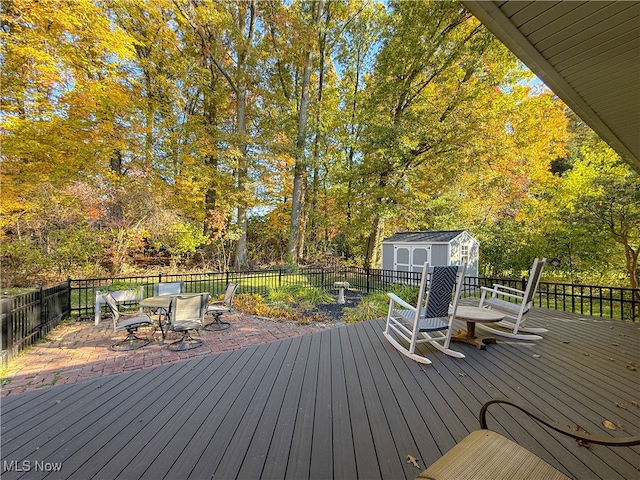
column 210, row 135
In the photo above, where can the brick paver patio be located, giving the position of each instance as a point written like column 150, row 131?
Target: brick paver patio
column 78, row 350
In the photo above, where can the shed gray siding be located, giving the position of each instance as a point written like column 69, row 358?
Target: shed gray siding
column 440, row 255
column 445, row 248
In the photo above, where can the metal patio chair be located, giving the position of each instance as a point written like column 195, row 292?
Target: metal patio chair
column 130, row 322
column 186, row 313
column 219, row 307
column 168, row 288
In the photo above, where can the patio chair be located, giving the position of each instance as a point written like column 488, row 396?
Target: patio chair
column 218, row 307
column 130, row 322
column 186, row 313
column 431, row 319
column 164, row 289
column 168, row 288
column 487, row 455
column 515, row 304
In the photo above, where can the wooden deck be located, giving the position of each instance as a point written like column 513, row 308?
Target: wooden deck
column 336, row 404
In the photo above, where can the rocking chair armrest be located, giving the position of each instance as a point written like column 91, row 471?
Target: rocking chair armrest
column 396, row 299
column 495, row 292
column 627, row 441
column 498, row 287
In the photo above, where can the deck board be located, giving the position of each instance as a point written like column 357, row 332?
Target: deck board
column 341, row 403
column 366, row 463
column 342, row 438
column 300, row 450
column 278, row 450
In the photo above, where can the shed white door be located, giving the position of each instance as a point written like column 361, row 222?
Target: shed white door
column 411, row 258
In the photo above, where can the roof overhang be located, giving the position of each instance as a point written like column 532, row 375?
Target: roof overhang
column 587, row 53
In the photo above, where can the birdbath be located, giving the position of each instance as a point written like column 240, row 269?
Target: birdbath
column 341, row 286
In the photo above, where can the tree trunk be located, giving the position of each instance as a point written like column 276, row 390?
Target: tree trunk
column 372, row 259
column 300, row 169
column 241, row 247
column 310, row 227
column 116, row 162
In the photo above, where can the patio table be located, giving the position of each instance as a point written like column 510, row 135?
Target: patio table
column 473, row 315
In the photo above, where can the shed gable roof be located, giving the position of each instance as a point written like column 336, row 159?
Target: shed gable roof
column 442, row 236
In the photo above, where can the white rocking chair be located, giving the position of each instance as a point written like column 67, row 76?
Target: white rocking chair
column 497, row 298
column 431, row 320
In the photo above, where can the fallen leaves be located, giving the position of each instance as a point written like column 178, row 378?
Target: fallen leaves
column 413, row 461
column 621, row 405
column 535, row 355
column 609, row 425
column 582, row 443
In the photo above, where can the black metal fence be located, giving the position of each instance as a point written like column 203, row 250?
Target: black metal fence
column 611, row 302
column 28, row 317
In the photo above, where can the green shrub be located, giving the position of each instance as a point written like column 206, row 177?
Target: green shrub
column 119, row 285
column 408, row 294
column 299, row 294
column 370, row 307
column 286, row 302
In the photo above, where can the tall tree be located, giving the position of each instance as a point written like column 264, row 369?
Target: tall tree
column 60, row 76
column 432, row 53
column 227, row 33
column 357, row 46
column 602, row 191
column 300, row 167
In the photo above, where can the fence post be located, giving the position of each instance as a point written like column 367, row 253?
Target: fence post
column 6, row 330
column 69, row 298
column 43, row 314
column 160, row 277
column 368, row 286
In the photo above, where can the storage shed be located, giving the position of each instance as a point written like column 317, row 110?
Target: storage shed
column 407, row 251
